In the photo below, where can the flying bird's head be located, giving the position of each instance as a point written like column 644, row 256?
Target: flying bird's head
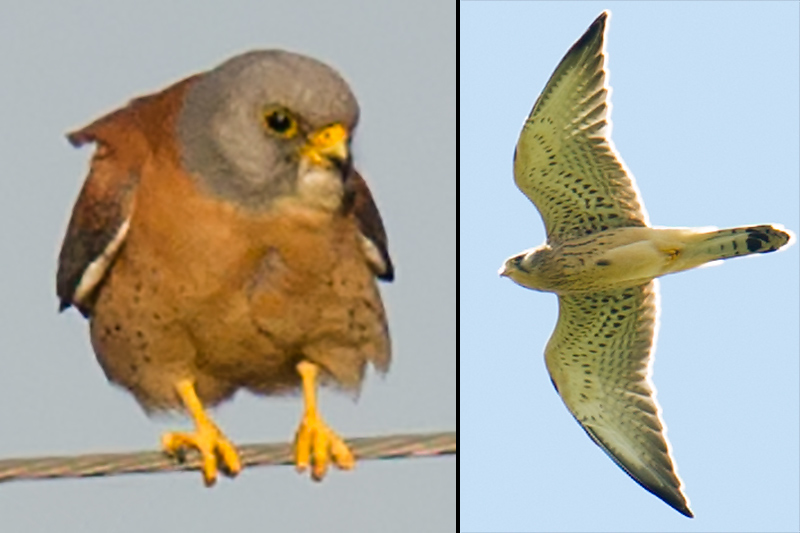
column 524, row 269
column 269, row 124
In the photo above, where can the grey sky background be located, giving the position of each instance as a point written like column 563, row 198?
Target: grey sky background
column 67, row 63
column 705, row 114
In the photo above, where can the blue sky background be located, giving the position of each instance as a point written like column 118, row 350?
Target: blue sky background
column 706, row 116
column 67, row 63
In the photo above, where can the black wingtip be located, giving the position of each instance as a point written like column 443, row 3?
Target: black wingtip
column 387, row 276
column 597, row 28
column 590, row 38
column 601, row 19
column 388, row 271
column 681, row 507
column 77, row 138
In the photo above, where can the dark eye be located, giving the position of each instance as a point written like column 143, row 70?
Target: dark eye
column 281, row 122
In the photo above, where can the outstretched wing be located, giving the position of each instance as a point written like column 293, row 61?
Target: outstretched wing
column 600, row 358
column 565, row 162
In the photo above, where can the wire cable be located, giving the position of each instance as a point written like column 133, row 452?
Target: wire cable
column 109, row 464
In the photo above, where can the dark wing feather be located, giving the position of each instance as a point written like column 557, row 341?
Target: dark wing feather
column 100, row 216
column 370, row 225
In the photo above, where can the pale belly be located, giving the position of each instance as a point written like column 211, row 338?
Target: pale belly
column 617, row 258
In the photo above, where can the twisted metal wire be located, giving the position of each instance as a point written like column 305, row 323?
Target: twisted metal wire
column 108, row 464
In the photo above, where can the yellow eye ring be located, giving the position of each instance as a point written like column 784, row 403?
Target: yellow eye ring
column 278, row 121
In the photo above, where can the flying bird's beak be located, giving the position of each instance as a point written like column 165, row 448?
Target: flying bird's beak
column 329, row 145
column 503, row 270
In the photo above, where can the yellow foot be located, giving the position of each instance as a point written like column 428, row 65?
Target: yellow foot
column 315, row 443
column 214, row 448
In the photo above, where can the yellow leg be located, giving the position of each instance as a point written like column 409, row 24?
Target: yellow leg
column 207, row 438
column 672, row 253
column 314, row 439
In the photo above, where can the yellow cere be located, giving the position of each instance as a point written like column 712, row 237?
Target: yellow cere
column 329, row 136
column 328, row 143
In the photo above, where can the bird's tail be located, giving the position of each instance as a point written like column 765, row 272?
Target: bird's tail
column 735, row 242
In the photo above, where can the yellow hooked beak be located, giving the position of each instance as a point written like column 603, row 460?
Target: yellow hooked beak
column 328, row 145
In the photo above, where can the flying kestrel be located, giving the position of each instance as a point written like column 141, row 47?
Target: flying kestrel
column 224, row 241
column 601, row 258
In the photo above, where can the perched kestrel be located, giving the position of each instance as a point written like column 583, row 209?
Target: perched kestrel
column 601, row 258
column 223, row 240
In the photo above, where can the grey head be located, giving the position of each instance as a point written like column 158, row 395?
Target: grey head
column 524, row 268
column 243, row 125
